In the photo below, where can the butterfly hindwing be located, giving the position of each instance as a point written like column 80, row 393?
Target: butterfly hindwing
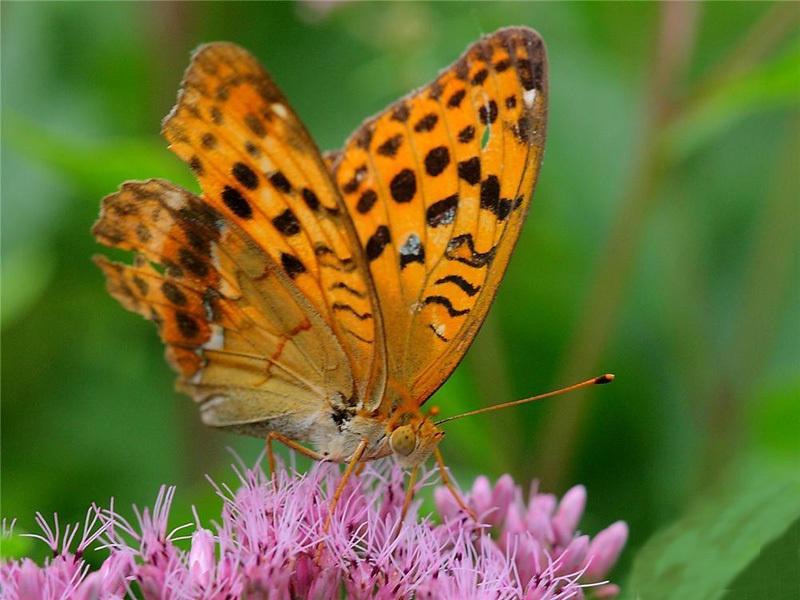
column 245, row 342
column 438, row 186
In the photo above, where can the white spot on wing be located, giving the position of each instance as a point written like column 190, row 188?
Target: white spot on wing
column 413, row 244
column 174, row 200
column 217, row 339
column 529, row 97
column 280, row 110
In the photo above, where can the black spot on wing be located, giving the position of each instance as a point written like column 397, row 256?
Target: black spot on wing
column 490, row 193
column 403, row 186
column 216, row 115
column 278, row 179
column 390, row 146
column 192, row 263
column 310, row 198
column 504, row 207
column 377, row 242
column 187, row 325
column 255, row 125
column 366, row 201
column 436, row 160
column 141, row 284
column 209, row 141
column 286, row 223
column 196, row 165
column 426, row 123
column 480, row 77
column 292, row 265
column 442, row 212
column 454, row 101
column 487, row 113
column 173, row 293
column 467, row 134
column 435, row 90
column 234, row 200
column 352, row 185
column 400, row 112
column 364, row 137
column 245, row 175
column 470, row 170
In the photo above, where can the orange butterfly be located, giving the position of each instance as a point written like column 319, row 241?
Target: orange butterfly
column 319, row 299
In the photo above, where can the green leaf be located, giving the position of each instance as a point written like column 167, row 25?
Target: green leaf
column 699, row 556
column 26, row 273
column 771, row 85
column 94, row 164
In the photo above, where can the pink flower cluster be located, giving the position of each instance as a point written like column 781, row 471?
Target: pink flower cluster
column 269, row 536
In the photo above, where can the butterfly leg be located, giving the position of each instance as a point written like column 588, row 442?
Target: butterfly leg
column 289, row 443
column 448, row 483
column 340, row 490
column 412, row 480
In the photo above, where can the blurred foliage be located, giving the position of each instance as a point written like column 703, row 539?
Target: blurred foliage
column 698, row 557
column 662, row 246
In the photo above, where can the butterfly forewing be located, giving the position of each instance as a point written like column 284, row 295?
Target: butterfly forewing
column 438, row 186
column 259, row 168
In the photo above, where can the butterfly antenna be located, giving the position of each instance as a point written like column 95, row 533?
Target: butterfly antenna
column 607, row 378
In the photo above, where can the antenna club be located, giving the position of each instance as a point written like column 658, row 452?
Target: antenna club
column 607, row 378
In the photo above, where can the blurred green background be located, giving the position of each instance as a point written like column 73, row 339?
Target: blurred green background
column 663, row 247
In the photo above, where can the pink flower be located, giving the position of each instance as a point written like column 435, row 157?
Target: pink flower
column 269, row 536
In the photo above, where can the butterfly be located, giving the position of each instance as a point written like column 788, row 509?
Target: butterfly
column 322, row 299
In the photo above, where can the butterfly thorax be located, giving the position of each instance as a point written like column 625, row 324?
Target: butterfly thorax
column 407, row 435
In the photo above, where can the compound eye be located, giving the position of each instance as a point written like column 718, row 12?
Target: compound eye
column 403, row 440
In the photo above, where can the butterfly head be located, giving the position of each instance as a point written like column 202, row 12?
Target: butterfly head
column 412, row 438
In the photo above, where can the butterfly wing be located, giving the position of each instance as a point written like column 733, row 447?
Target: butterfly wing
column 268, row 241
column 247, row 345
column 438, row 187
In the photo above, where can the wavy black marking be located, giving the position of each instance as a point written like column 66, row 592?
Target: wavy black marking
column 341, row 285
column 343, row 306
column 477, row 259
column 358, row 337
column 342, row 264
column 466, row 286
column 445, row 301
